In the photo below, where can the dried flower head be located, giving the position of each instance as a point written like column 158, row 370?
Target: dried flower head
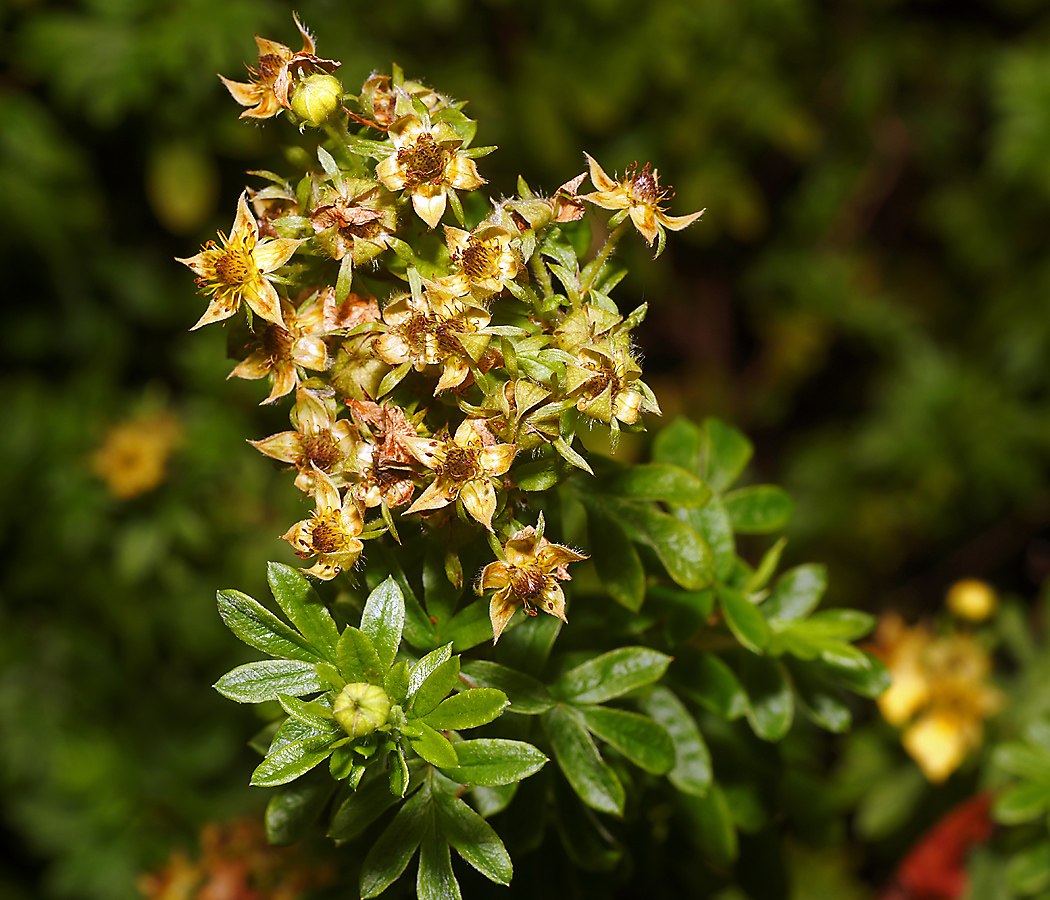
column 266, row 93
column 331, row 533
column 640, row 194
column 485, row 260
column 465, row 467
column 237, row 271
column 528, row 578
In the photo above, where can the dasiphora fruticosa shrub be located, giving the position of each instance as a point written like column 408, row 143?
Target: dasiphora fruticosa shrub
column 439, row 375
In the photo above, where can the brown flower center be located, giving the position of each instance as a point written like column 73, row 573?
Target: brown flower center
column 461, row 464
column 327, row 537
column 415, row 331
column 235, row 266
column 478, row 260
column 424, row 161
column 277, row 343
column 528, row 583
column 321, row 449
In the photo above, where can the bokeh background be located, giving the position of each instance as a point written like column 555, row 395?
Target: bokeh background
column 867, row 296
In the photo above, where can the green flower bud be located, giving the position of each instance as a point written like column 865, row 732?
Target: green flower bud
column 361, row 708
column 317, row 97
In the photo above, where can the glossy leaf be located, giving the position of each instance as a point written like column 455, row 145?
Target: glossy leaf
column 680, row 444
column 1028, row 871
column 797, row 592
column 590, row 776
column 771, row 705
column 423, row 669
column 390, row 855
column 299, row 602
column 692, row 766
column 383, row 620
column 615, row 558
column 312, row 715
column 436, row 687
column 725, row 454
column 759, row 509
column 587, row 842
column 495, row 761
column 435, row 879
column 292, row 760
column 643, row 741
column 468, row 709
column 261, row 629
column 473, row 839
column 819, row 700
column 681, row 548
column 358, row 660
column 295, row 807
column 611, row 675
column 744, row 619
column 434, row 747
column 526, row 694
column 712, row 522
column 470, row 626
column 256, row 682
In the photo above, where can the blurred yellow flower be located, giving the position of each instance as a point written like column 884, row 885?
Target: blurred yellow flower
column 133, row 455
column 971, row 599
column 940, row 693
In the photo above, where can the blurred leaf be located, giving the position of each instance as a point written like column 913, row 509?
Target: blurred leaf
column 390, row 855
column 759, row 509
column 725, row 454
column 712, row 825
column 692, row 766
column 744, row 619
column 526, row 694
column 615, row 558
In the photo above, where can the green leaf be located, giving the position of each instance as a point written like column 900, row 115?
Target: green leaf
column 1028, row 871
column 615, row 558
column 797, row 592
column 398, row 774
column 759, row 509
column 257, row 682
column 468, row 709
column 711, row 521
column 295, row 807
column 681, row 548
column 423, row 669
column 526, row 694
column 383, row 620
column 692, row 767
column 1021, row 803
column 712, row 824
column 744, row 619
column 864, row 674
column 470, row 626
column 435, row 879
column 434, row 747
column 291, row 760
column 656, row 481
column 724, row 455
column 473, row 839
column 390, row 855
column 527, row 646
column 1023, row 760
column 436, row 687
column 770, row 560
column 611, row 675
column 586, row 840
column 711, row 683
column 770, row 702
column 540, row 475
column 643, row 741
column 591, row 777
column 439, row 594
column 304, row 609
column 680, row 444
column 261, row 629
column 819, row 700
column 358, row 660
column 495, row 761
column 396, row 682
column 312, row 715
column 371, row 799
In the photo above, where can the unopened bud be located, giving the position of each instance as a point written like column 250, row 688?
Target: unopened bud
column 361, row 708
column 316, row 97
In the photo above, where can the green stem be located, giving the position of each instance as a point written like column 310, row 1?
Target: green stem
column 598, row 263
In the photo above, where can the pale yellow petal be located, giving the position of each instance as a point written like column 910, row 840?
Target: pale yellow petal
column 677, row 223
column 426, row 450
column 551, row 556
column 326, row 494
column 216, row 312
column 432, row 498
column 501, row 610
column 453, row 374
column 598, row 177
column 494, row 576
column 244, row 225
column 270, row 255
column 286, row 446
column 553, row 602
column 390, row 173
column 644, row 220
column 479, row 500
column 461, row 172
column 496, row 460
column 428, row 200
column 256, row 365
column 311, row 353
column 244, row 94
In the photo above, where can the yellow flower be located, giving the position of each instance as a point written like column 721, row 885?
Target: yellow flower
column 465, row 466
column 237, row 270
column 267, row 91
column 971, row 599
column 484, row 258
column 640, row 194
column 527, row 578
column 321, row 442
column 939, row 693
column 284, row 347
column 428, row 161
column 331, row 533
column 134, row 454
column 433, row 330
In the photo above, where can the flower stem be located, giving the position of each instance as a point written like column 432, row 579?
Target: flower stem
column 598, row 263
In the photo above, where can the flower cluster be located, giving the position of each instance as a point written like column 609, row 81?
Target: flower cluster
column 425, row 362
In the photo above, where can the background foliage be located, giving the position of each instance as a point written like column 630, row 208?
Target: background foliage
column 865, row 297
